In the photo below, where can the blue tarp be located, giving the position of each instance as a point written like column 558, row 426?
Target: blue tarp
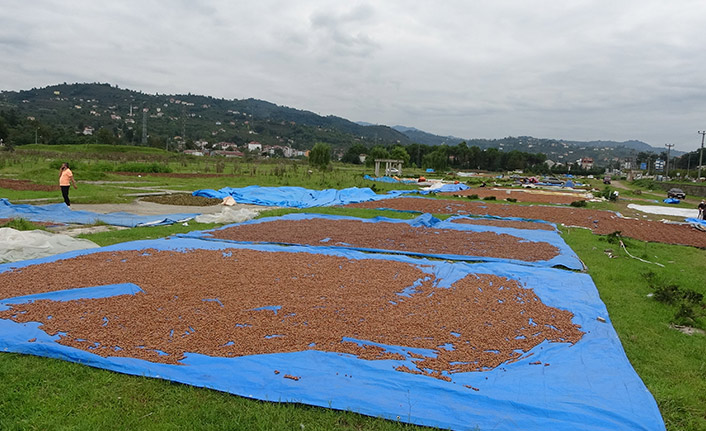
column 296, row 197
column 60, row 213
column 386, row 179
column 671, row 201
column 446, row 188
column 697, row 221
column 566, row 257
column 589, row 385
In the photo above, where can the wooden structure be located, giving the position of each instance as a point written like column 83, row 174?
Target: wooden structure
column 392, row 167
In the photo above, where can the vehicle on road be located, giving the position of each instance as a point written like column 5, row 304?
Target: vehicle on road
column 676, row 193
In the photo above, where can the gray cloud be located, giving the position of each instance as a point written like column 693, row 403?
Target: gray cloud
column 585, row 69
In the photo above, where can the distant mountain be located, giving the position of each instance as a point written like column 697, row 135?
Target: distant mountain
column 638, row 146
column 425, row 138
column 72, row 108
column 65, row 112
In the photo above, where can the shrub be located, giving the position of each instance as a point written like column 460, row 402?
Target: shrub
column 578, row 204
column 511, row 200
column 473, row 196
column 143, row 168
column 489, row 198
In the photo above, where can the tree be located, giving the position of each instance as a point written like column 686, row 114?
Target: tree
column 377, row 152
column 320, row 155
column 436, row 160
column 398, row 152
column 352, row 155
column 4, row 129
column 105, row 137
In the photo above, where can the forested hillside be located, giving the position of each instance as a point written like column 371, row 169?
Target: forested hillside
column 105, row 114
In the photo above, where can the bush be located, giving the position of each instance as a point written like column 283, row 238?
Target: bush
column 473, row 196
column 22, row 224
column 489, row 198
column 687, row 302
column 511, row 200
column 579, row 204
column 143, row 168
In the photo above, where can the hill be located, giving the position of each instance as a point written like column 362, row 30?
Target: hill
column 78, row 108
column 106, row 114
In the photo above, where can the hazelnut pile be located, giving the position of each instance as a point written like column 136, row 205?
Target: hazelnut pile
column 600, row 222
column 391, row 236
column 236, row 302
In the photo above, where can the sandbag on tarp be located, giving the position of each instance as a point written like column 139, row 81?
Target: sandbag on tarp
column 60, row 213
column 566, row 257
column 589, row 385
column 228, row 215
column 18, row 245
column 296, row 197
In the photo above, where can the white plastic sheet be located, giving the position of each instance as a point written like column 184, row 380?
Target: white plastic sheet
column 16, row 245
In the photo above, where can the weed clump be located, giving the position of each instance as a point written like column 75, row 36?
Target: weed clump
column 687, row 303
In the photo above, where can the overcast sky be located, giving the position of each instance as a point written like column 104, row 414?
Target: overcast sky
column 575, row 70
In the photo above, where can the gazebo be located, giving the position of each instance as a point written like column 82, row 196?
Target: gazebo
column 390, row 165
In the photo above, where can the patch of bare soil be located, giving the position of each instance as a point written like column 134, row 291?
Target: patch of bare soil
column 390, row 236
column 185, row 199
column 600, row 222
column 523, row 195
column 237, row 302
column 25, row 185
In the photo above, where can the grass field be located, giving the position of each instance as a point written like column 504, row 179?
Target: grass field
column 39, row 393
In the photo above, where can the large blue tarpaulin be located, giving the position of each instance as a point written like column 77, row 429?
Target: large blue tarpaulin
column 566, row 257
column 589, row 385
column 296, row 197
column 60, row 213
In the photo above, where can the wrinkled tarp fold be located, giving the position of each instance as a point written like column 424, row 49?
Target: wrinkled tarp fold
column 22, row 245
column 60, row 213
column 297, row 197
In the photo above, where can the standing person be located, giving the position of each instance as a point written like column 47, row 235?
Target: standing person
column 66, row 179
column 702, row 210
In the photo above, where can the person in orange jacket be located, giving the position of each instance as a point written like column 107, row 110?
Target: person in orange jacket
column 66, row 179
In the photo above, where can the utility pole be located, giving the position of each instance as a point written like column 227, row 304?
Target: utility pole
column 144, row 126
column 701, row 154
column 669, row 147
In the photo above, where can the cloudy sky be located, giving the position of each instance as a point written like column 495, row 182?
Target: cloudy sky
column 576, row 70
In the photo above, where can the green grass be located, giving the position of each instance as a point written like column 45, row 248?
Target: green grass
column 91, row 149
column 22, row 224
column 146, row 232
column 672, row 364
column 42, row 394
